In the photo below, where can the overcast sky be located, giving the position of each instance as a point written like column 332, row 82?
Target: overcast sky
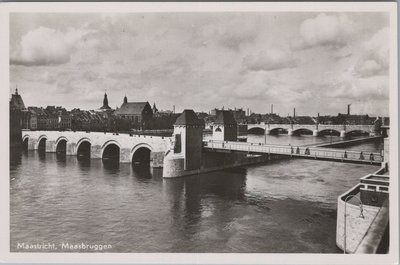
column 316, row 62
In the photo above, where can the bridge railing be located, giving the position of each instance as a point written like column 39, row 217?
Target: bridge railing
column 295, row 151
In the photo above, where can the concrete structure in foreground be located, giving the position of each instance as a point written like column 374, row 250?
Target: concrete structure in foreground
column 362, row 224
column 316, row 129
column 96, row 145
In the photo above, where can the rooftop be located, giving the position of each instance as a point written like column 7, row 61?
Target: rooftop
column 225, row 117
column 131, row 108
column 188, row 117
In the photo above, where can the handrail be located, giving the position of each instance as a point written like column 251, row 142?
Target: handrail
column 296, row 151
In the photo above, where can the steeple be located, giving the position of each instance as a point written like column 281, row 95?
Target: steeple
column 16, row 90
column 125, row 100
column 155, row 110
column 105, row 102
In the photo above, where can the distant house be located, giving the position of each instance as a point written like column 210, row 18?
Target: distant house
column 136, row 112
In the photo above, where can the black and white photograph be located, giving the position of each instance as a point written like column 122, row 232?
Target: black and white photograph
column 170, row 128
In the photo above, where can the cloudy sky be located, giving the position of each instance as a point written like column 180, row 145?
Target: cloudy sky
column 316, row 62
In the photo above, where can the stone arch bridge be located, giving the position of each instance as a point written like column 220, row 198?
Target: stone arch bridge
column 124, row 147
column 316, row 129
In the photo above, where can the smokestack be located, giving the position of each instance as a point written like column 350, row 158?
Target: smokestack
column 294, row 112
column 173, row 109
column 348, row 109
column 248, row 112
column 272, row 108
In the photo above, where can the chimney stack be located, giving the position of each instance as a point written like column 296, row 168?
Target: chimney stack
column 294, row 112
column 348, row 109
column 272, row 108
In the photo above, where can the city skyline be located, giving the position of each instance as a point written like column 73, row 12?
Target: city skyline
column 203, row 61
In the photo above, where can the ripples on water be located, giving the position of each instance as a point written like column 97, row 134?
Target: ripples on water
column 282, row 206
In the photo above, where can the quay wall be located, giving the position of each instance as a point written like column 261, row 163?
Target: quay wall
column 356, row 227
column 362, row 230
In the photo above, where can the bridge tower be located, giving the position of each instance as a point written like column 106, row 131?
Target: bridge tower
column 225, row 127
column 184, row 157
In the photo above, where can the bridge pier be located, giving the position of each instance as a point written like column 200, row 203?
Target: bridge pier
column 267, row 131
column 342, row 134
column 125, row 155
column 315, row 133
column 50, row 146
column 95, row 152
column 71, row 149
column 32, row 144
column 290, row 132
column 157, row 159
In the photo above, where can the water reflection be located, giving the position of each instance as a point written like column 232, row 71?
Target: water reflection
column 61, row 159
column 15, row 157
column 42, row 156
column 111, row 166
column 142, row 170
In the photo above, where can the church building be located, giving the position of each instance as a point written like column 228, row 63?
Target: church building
column 136, row 112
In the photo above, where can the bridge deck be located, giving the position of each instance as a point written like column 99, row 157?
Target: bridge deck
column 313, row 152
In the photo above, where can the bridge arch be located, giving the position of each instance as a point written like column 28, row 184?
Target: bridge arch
column 357, row 132
column 329, row 131
column 25, row 136
column 83, row 148
column 111, row 150
column 41, row 143
column 141, row 153
column 277, row 130
column 300, row 131
column 25, row 142
column 256, row 130
column 61, row 145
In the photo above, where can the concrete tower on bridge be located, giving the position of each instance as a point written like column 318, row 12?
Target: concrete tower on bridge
column 225, row 127
column 186, row 150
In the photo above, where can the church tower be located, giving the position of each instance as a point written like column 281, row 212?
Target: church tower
column 125, row 100
column 105, row 103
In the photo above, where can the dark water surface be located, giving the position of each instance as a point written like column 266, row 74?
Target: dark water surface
column 278, row 207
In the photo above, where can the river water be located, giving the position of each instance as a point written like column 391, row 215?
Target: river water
column 283, row 206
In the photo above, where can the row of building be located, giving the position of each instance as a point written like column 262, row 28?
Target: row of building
column 130, row 115
column 141, row 115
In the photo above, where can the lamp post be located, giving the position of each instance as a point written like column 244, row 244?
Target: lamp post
column 345, row 216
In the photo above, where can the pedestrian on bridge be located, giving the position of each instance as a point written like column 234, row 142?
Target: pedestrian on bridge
column 361, row 156
column 307, row 152
column 298, row 150
column 371, row 157
column 345, row 154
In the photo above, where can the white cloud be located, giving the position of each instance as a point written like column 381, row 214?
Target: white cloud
column 268, row 60
column 375, row 58
column 232, row 32
column 46, row 46
column 325, row 30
